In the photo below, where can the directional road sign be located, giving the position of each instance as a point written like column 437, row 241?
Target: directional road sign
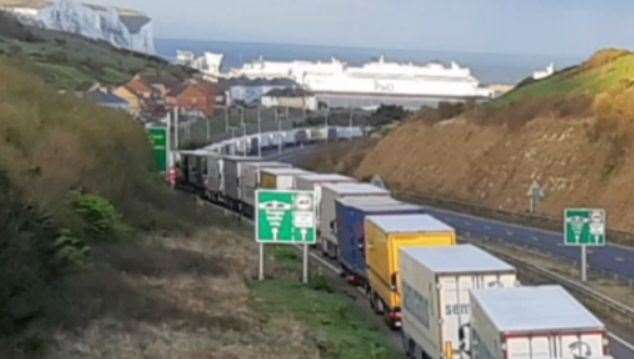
column 584, row 226
column 285, row 217
column 160, row 145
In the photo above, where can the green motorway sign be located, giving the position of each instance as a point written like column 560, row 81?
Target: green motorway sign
column 160, row 145
column 285, row 217
column 585, row 226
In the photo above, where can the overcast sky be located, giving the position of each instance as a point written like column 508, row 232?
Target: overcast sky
column 560, row 27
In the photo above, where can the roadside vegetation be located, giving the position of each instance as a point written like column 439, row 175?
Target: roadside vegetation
column 335, row 323
column 74, row 179
column 99, row 258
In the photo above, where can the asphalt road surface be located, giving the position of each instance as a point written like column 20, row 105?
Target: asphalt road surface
column 613, row 259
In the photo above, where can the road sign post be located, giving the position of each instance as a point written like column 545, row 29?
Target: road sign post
column 261, row 262
column 584, row 227
column 285, row 217
column 535, row 196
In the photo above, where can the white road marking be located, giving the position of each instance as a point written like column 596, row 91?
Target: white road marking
column 622, row 341
column 619, row 259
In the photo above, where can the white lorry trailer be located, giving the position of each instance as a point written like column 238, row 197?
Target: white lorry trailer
column 250, row 180
column 314, row 181
column 435, row 284
column 330, row 192
column 542, row 322
column 280, row 178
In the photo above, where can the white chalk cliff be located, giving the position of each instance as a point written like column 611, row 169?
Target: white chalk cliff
column 122, row 28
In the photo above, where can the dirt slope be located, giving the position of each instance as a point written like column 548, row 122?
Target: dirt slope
column 495, row 167
column 581, row 157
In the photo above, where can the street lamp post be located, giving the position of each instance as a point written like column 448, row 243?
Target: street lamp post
column 351, row 117
column 226, row 119
column 327, row 113
column 279, row 131
column 259, row 132
column 244, row 131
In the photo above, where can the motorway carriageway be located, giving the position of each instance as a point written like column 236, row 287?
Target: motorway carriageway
column 611, row 259
column 614, row 259
column 547, row 241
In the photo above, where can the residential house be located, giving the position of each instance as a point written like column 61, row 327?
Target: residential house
column 131, row 97
column 106, row 98
column 140, row 87
column 193, row 96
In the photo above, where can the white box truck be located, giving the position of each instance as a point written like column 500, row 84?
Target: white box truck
column 330, row 192
column 541, row 322
column 280, row 178
column 435, row 283
column 250, row 180
column 314, row 181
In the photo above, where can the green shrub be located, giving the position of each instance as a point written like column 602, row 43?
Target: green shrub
column 321, row 283
column 100, row 219
column 71, row 251
column 26, row 270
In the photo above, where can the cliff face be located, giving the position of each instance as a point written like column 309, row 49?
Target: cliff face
column 122, row 28
column 580, row 159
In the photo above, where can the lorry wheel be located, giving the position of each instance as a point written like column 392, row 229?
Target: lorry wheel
column 410, row 352
column 372, row 301
column 380, row 307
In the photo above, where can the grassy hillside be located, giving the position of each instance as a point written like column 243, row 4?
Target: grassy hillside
column 608, row 70
column 73, row 178
column 72, row 62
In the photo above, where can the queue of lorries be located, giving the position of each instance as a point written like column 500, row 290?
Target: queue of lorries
column 450, row 300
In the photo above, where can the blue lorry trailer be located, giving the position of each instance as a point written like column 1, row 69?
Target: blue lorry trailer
column 351, row 213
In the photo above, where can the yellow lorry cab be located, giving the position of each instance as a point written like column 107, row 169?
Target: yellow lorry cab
column 385, row 235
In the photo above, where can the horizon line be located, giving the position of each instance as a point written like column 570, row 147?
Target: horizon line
column 365, row 47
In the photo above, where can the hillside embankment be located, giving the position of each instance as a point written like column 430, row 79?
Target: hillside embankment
column 571, row 133
column 99, row 258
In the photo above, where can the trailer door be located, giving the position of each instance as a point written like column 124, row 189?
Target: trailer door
column 455, row 307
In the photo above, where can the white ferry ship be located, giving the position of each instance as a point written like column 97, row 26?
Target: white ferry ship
column 378, row 78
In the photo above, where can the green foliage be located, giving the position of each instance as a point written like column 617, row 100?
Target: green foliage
column 100, row 218
column 71, row 251
column 320, row 282
column 602, row 72
column 386, row 114
column 26, row 268
column 339, row 326
column 52, row 144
